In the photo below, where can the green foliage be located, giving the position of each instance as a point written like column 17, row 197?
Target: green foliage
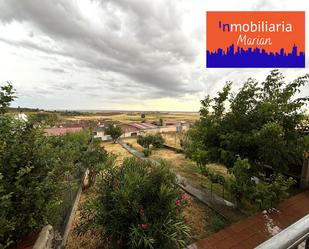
column 157, row 141
column 114, row 131
column 143, row 117
column 147, row 152
column 6, row 97
column 94, row 158
column 144, row 141
column 263, row 192
column 217, row 223
column 137, row 205
column 258, row 123
column 34, row 172
column 44, row 118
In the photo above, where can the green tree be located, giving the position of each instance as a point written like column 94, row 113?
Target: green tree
column 252, row 131
column 114, row 131
column 35, row 172
column 94, row 158
column 143, row 117
column 157, row 141
column 137, row 205
column 258, row 123
column 44, row 118
column 144, row 141
column 7, row 95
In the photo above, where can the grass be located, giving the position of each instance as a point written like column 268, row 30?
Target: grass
column 216, row 223
column 172, row 138
column 117, row 150
column 201, row 219
column 88, row 241
column 187, row 168
column 126, row 117
column 133, row 144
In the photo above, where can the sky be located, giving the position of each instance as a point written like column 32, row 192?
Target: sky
column 119, row 54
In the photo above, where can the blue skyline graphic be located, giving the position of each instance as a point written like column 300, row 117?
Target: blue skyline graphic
column 255, row 58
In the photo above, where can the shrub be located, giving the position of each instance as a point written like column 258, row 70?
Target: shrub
column 137, row 205
column 266, row 193
column 217, row 223
column 35, row 173
column 114, row 131
column 144, row 141
column 147, row 152
column 157, row 141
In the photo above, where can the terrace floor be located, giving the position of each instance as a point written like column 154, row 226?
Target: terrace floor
column 252, row 231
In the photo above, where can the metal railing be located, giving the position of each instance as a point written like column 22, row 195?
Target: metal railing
column 294, row 236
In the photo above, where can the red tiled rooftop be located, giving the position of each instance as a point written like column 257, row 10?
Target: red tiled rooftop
column 143, row 126
column 252, row 231
column 61, row 131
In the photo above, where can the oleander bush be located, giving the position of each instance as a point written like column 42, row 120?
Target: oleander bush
column 137, row 205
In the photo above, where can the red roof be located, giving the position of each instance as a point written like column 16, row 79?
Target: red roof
column 143, row 126
column 171, row 122
column 61, row 131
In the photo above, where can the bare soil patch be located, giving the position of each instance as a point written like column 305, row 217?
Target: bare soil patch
column 117, row 150
column 87, row 240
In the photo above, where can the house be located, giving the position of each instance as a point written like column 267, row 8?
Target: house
column 129, row 130
column 21, row 117
column 99, row 133
column 170, row 122
column 61, row 131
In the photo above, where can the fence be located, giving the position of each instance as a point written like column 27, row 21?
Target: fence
column 294, row 236
column 69, row 197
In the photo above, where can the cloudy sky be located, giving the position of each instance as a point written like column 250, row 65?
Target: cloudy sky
column 118, row 54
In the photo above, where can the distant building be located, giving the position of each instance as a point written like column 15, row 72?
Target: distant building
column 61, row 131
column 21, row 117
column 99, row 133
column 135, row 128
column 170, row 122
column 129, row 130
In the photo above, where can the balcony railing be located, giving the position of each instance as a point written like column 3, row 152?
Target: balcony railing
column 294, row 236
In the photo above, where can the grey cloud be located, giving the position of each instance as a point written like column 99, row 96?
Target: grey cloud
column 150, row 37
column 54, row 70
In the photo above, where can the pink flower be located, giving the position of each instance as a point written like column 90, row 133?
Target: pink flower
column 143, row 226
column 184, row 196
column 141, row 210
column 178, row 203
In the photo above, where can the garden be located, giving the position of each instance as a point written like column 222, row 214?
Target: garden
column 243, row 148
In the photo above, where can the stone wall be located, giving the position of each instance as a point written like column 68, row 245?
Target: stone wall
column 45, row 239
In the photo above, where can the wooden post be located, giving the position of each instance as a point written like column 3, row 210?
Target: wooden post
column 304, row 178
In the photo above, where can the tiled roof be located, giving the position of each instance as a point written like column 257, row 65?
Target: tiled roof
column 143, row 126
column 61, row 131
